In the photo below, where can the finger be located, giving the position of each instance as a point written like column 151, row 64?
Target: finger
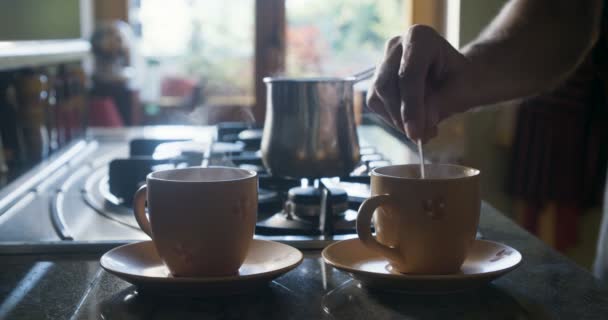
column 387, row 81
column 432, row 118
column 414, row 127
column 375, row 104
column 413, row 73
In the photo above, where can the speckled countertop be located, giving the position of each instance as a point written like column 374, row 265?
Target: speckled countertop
column 73, row 286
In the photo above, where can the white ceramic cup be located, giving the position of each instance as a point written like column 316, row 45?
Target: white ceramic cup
column 201, row 220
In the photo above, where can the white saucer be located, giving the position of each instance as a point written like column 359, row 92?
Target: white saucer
column 139, row 264
column 485, row 262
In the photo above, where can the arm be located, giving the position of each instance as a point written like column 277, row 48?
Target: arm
column 531, row 46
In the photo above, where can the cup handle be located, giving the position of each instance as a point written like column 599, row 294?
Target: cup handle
column 364, row 217
column 139, row 208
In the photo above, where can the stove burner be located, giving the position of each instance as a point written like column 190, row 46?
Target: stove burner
column 229, row 131
column 301, row 213
column 282, row 224
column 266, row 196
column 253, row 167
column 305, row 202
column 252, row 138
column 284, row 208
column 127, row 175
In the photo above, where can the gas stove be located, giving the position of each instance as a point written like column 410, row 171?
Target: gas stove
column 89, row 191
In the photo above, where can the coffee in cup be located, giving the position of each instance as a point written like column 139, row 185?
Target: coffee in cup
column 201, row 220
column 423, row 226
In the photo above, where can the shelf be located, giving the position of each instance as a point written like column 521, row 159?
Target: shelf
column 19, row 54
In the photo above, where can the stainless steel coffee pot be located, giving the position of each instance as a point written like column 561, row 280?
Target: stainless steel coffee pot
column 310, row 129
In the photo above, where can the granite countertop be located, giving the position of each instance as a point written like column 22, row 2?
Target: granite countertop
column 73, row 286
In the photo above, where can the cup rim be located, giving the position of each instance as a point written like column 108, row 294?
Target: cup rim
column 310, row 80
column 249, row 175
column 474, row 172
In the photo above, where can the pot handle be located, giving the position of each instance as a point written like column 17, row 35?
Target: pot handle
column 364, row 217
column 365, row 74
column 139, row 208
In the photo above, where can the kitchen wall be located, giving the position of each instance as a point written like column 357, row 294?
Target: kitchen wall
column 482, row 138
column 39, row 20
column 475, row 15
column 487, row 133
column 108, row 10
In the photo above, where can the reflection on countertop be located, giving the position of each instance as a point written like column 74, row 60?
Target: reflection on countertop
column 73, row 285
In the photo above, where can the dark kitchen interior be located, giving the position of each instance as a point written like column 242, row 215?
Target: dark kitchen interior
column 96, row 95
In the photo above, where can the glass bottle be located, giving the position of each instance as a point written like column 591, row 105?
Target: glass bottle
column 12, row 142
column 32, row 98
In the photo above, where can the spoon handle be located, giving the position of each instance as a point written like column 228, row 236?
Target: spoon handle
column 421, row 154
column 365, row 74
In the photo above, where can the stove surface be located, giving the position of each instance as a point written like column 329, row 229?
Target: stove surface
column 84, row 205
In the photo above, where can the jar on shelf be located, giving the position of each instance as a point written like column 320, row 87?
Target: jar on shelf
column 62, row 117
column 3, row 164
column 32, row 87
column 76, row 88
column 12, row 140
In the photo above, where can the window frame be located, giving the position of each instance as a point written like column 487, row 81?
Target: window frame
column 270, row 38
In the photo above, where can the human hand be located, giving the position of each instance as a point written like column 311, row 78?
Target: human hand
column 419, row 83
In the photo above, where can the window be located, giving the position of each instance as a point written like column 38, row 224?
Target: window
column 213, row 41
column 339, row 37
column 208, row 42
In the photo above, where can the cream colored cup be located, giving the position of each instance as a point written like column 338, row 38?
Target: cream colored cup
column 201, row 220
column 423, row 226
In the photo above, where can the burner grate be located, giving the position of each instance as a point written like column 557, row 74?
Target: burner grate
column 328, row 213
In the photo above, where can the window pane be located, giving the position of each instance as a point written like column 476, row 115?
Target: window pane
column 339, row 37
column 209, row 41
